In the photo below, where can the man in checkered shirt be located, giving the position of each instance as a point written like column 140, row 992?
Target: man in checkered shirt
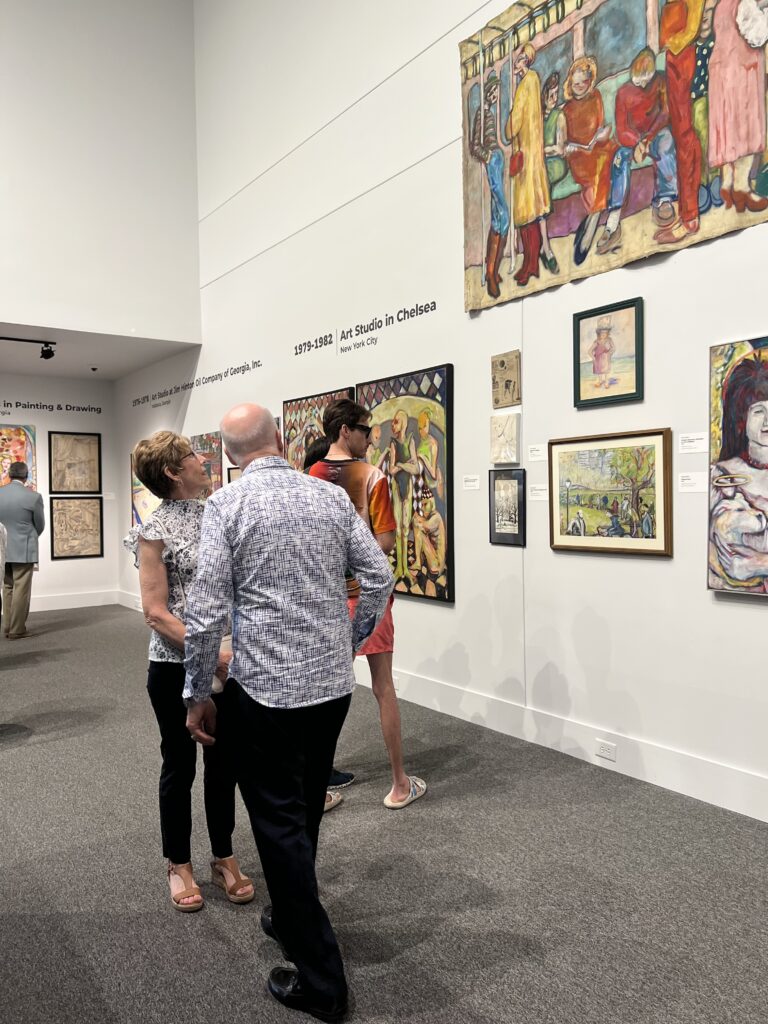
column 275, row 550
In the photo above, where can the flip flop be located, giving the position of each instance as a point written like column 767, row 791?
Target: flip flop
column 418, row 788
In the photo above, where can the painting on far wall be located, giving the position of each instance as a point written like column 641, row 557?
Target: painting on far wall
column 597, row 133
column 411, row 441
column 738, row 509
column 209, row 446
column 74, row 462
column 303, row 422
column 17, row 444
column 76, row 528
column 612, row 493
column 608, row 354
column 143, row 501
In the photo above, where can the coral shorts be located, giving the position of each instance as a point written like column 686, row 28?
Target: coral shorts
column 382, row 639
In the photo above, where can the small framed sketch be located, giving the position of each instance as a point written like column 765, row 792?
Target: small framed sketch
column 77, row 529
column 74, row 462
column 612, row 493
column 505, row 379
column 233, row 473
column 506, row 503
column 505, row 438
column 608, row 354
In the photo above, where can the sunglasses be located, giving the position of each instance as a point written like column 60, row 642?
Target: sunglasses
column 363, row 428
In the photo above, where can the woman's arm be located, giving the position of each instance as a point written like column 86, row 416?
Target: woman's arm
column 153, row 580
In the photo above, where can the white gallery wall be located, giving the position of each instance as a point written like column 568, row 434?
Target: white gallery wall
column 70, row 405
column 329, row 168
column 98, row 180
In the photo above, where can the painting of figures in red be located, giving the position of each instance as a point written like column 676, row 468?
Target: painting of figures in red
column 598, row 132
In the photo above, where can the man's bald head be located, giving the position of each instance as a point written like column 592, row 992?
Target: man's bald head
column 249, row 432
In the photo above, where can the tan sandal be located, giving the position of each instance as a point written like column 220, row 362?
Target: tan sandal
column 185, row 874
column 240, row 881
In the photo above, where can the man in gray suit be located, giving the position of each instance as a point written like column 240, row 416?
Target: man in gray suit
column 21, row 512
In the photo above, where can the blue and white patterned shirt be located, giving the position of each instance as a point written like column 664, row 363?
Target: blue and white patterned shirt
column 275, row 549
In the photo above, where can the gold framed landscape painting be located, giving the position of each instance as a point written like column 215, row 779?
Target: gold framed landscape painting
column 612, row 493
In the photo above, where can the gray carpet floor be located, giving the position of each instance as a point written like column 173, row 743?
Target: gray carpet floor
column 527, row 886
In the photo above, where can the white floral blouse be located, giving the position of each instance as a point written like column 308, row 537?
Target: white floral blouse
column 177, row 524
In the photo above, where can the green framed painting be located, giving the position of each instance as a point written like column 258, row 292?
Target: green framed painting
column 608, row 355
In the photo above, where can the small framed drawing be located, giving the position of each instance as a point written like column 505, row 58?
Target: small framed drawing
column 74, row 462
column 233, row 473
column 76, row 528
column 505, row 438
column 505, row 379
column 608, row 354
column 506, row 503
column 612, row 493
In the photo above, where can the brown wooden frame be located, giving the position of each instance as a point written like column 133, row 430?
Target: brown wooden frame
column 663, row 479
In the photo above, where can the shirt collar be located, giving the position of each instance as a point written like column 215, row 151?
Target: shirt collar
column 267, row 462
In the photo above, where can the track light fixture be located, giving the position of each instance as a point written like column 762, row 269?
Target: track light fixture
column 47, row 348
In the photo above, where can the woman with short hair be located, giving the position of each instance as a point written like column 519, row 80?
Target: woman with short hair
column 165, row 549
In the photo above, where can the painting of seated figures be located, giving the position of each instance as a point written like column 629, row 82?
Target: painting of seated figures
column 598, row 132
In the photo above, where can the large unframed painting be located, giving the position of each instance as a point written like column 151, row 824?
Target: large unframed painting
column 411, row 441
column 598, row 132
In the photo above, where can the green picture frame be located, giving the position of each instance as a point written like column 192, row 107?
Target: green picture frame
column 608, row 355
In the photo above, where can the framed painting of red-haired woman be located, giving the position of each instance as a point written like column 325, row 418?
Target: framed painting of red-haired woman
column 738, row 507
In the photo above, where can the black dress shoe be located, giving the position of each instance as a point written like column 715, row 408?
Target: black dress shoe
column 284, row 985
column 269, row 929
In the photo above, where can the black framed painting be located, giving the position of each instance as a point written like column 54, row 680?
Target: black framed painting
column 608, row 354
column 411, row 442
column 77, row 528
column 506, row 506
column 74, row 462
column 303, row 422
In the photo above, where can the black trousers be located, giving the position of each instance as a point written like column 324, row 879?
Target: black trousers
column 284, row 757
column 165, row 683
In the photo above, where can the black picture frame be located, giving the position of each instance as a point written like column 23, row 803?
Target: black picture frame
column 600, row 311
column 233, row 473
column 413, row 392
column 496, row 535
column 52, row 483
column 57, row 500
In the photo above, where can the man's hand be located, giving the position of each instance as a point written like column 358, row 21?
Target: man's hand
column 201, row 722
column 222, row 665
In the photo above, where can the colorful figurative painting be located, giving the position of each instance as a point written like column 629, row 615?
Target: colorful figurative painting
column 209, row 446
column 507, row 506
column 738, row 504
column 612, row 493
column 597, row 132
column 17, row 444
column 505, row 379
column 608, row 354
column 143, row 501
column 411, row 441
column 303, row 422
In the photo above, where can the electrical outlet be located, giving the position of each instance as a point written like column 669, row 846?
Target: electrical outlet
column 605, row 749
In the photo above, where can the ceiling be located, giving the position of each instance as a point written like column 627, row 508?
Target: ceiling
column 78, row 352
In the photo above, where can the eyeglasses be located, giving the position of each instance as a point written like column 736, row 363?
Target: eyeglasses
column 189, row 455
column 363, row 428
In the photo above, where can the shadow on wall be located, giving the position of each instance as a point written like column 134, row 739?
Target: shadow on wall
column 501, row 637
